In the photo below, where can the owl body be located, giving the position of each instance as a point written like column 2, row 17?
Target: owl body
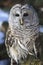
column 22, row 32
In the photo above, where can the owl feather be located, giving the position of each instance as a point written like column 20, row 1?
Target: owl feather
column 22, row 32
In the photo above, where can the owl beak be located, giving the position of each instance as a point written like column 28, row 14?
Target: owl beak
column 21, row 22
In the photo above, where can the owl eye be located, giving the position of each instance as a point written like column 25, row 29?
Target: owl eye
column 17, row 15
column 25, row 14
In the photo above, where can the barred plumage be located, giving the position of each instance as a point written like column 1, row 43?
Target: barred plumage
column 22, row 32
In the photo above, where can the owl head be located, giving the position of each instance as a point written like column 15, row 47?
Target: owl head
column 22, row 17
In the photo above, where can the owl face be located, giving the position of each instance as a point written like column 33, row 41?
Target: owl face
column 21, row 17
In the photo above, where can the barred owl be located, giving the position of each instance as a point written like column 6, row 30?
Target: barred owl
column 22, row 32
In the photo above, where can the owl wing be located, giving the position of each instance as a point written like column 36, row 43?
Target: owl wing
column 8, row 42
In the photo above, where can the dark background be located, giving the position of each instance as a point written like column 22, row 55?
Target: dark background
column 5, row 5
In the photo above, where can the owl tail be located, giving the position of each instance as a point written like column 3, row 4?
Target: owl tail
column 36, row 53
